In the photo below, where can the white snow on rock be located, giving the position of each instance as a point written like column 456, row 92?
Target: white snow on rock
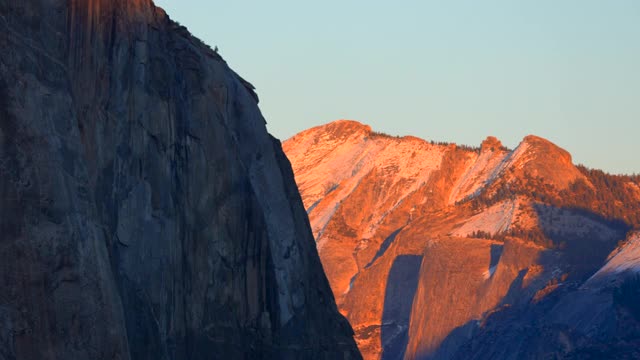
column 487, row 168
column 481, row 173
column 489, row 273
column 624, row 259
column 324, row 161
column 493, row 220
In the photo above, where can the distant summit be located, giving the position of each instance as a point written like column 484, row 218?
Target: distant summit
column 439, row 251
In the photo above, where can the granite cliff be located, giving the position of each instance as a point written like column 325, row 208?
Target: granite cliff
column 440, row 251
column 145, row 212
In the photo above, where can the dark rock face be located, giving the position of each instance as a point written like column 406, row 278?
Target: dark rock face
column 145, row 212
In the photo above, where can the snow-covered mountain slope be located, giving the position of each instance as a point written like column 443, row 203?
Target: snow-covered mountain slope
column 625, row 259
column 421, row 241
column 482, row 170
column 331, row 163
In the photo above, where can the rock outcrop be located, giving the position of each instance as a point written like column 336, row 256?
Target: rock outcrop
column 145, row 212
column 439, row 251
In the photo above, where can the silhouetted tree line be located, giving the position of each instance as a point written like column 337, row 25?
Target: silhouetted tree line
column 479, row 234
column 613, row 196
column 611, row 199
column 440, row 143
column 184, row 32
column 375, row 134
column 499, row 191
column 475, row 149
column 535, row 235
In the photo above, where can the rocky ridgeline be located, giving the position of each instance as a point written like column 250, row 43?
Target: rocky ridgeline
column 439, row 251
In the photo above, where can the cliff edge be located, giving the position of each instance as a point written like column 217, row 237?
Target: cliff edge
column 145, row 211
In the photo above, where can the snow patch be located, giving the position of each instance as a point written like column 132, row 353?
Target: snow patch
column 478, row 176
column 623, row 259
column 494, row 220
column 489, row 273
column 322, row 160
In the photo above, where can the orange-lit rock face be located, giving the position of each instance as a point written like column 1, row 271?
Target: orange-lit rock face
column 422, row 242
column 94, row 18
column 98, row 7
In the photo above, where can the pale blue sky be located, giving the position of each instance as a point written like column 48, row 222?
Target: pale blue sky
column 567, row 70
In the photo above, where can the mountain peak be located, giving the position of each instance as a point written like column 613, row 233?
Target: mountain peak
column 538, row 140
column 542, row 145
column 540, row 158
column 338, row 130
column 491, row 143
column 343, row 126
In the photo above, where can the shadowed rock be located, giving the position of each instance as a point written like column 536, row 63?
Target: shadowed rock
column 401, row 288
column 145, row 211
